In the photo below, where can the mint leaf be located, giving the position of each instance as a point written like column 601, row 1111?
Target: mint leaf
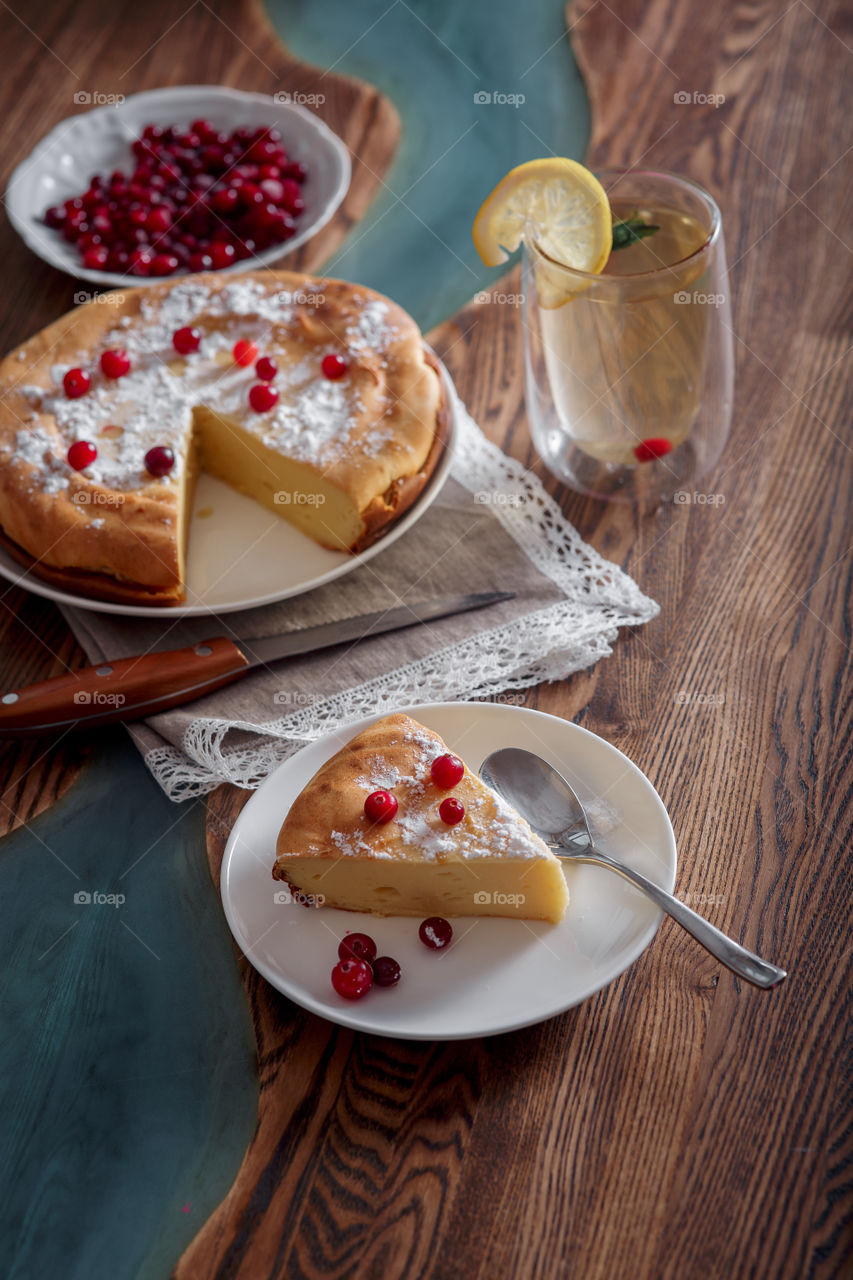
column 630, row 230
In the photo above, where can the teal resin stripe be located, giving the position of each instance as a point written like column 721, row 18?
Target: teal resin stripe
column 479, row 88
column 128, row 1082
column 127, row 1063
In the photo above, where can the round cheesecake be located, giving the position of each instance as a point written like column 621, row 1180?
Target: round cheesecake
column 338, row 456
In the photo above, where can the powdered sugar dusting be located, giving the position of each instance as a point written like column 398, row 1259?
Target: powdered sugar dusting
column 153, row 404
column 491, row 827
column 372, row 328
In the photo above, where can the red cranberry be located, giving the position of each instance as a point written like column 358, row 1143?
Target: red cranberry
column 200, row 262
column 244, row 352
column 55, row 216
column 262, row 152
column 164, row 264
column 211, row 157
column 352, row 979
column 76, row 383
column 386, row 972
column 140, row 262
column 446, row 771
column 451, row 811
column 90, row 241
column 159, row 460
column 380, row 807
column 272, row 189
column 263, row 397
column 222, row 255
column 250, row 193
column 115, row 363
column 435, row 933
column 81, row 455
column 334, row 367
column 225, row 201
column 158, row 220
column 266, row 369
column 357, row 946
column 186, row 340
column 648, row 450
column 291, row 191
column 204, row 129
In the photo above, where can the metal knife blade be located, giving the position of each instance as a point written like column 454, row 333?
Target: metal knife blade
column 326, row 634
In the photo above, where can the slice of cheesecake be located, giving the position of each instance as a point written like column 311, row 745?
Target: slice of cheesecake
column 489, row 863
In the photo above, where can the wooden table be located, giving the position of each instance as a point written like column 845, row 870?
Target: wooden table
column 680, row 1123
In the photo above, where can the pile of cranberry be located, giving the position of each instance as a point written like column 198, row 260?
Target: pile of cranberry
column 359, row 968
column 198, row 200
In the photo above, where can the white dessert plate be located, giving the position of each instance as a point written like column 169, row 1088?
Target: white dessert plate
column 498, row 974
column 99, row 141
column 241, row 555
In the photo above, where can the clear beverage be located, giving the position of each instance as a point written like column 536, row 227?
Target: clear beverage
column 629, row 373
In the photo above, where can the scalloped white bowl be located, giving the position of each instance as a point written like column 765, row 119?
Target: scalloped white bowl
column 99, row 141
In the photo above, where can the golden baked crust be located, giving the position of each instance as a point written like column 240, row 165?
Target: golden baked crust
column 114, row 532
column 333, row 800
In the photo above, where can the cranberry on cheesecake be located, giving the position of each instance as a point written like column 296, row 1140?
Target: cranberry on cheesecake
column 397, row 825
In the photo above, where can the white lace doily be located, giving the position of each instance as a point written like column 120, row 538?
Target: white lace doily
column 549, row 644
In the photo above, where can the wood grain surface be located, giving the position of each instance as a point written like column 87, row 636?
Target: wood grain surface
column 50, row 56
column 678, row 1124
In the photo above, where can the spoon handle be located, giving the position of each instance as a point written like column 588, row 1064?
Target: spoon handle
column 731, row 953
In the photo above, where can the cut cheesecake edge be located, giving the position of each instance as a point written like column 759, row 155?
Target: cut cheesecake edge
column 498, row 887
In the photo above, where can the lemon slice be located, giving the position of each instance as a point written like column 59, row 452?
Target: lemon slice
column 555, row 202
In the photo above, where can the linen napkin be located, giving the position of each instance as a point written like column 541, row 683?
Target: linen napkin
column 493, row 527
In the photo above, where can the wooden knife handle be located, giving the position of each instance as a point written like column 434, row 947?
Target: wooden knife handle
column 126, row 690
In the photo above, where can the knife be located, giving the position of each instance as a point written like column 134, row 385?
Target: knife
column 133, row 688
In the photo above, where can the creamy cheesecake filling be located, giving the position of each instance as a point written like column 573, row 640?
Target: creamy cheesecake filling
column 291, row 489
column 529, row 890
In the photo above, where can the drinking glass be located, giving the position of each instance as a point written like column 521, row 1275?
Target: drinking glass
column 630, row 373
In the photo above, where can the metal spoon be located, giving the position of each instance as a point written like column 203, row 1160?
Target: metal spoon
column 542, row 795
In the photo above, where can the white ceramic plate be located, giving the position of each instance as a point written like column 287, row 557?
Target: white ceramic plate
column 99, row 141
column 241, row 555
column 498, row 974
